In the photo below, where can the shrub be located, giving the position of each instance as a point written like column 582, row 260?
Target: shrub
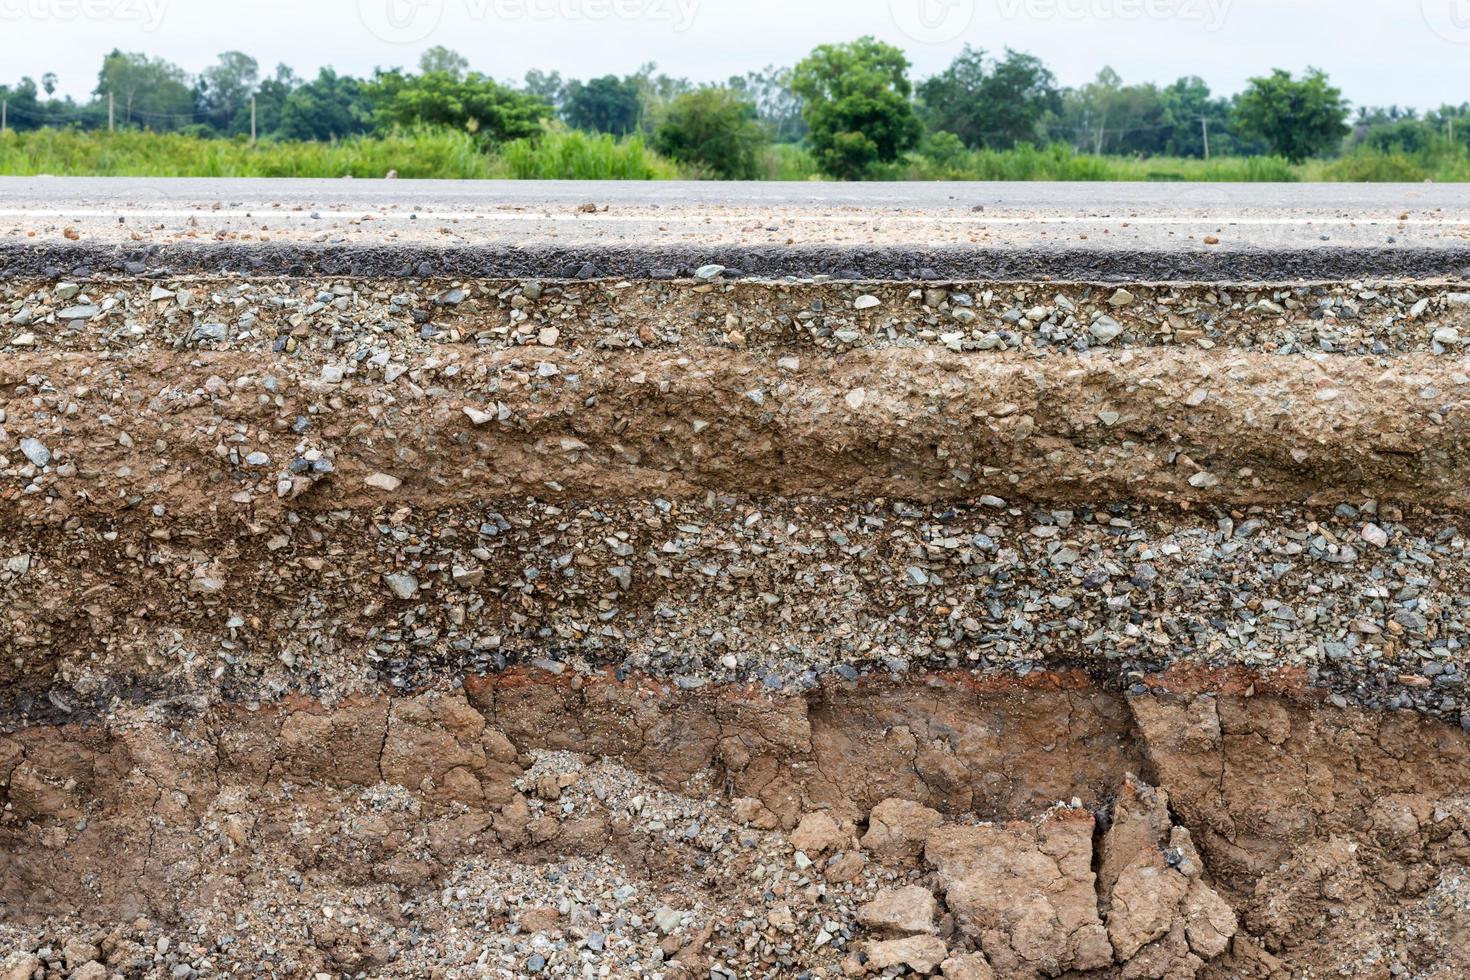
column 715, row 131
column 857, row 106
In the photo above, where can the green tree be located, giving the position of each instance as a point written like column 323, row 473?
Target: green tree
column 605, row 105
column 445, row 61
column 26, row 110
column 856, row 105
column 327, row 107
column 546, row 85
column 776, row 105
column 270, row 100
column 715, row 130
column 656, row 93
column 1393, row 129
column 944, row 150
column 991, row 103
column 1297, row 118
column 148, row 92
column 1188, row 109
column 225, row 88
column 1107, row 116
column 473, row 103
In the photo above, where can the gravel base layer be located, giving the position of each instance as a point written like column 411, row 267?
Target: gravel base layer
column 718, row 627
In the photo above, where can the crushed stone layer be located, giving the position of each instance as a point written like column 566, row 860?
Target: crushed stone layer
column 1365, row 602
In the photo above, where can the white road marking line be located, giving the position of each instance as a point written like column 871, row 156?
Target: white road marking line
column 977, row 221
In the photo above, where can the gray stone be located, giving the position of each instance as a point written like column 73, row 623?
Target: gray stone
column 402, row 585
column 36, row 452
column 1105, row 330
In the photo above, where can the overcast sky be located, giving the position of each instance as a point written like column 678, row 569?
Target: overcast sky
column 1410, row 52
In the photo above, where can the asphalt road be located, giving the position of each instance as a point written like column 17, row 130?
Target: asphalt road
column 1094, row 230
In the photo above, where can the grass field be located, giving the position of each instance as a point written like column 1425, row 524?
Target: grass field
column 570, row 155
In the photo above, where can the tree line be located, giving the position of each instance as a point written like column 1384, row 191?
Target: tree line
column 853, row 105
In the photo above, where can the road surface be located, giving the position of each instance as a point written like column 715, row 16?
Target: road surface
column 883, row 230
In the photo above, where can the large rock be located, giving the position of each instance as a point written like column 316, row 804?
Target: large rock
column 1025, row 892
column 1162, row 918
column 897, row 828
column 967, row 966
column 908, row 910
column 817, row 834
column 1027, row 895
column 922, row 954
column 19, row 966
column 439, row 744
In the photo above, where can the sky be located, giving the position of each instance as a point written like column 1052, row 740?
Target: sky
column 1380, row 52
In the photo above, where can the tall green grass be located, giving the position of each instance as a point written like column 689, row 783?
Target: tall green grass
column 786, row 161
column 555, row 155
column 1062, row 163
column 1441, row 161
column 561, row 154
column 133, row 153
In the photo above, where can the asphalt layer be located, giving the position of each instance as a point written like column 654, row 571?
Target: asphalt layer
column 952, row 263
column 911, row 231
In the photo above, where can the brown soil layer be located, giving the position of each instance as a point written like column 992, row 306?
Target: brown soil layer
column 1225, row 428
column 1326, row 838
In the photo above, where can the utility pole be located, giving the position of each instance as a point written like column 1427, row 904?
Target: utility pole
column 4, row 113
column 252, row 119
column 1205, row 125
column 110, row 117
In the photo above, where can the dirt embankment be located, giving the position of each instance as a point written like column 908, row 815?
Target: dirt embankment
column 732, row 629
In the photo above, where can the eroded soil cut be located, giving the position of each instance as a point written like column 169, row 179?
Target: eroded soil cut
column 522, row 628
column 529, row 822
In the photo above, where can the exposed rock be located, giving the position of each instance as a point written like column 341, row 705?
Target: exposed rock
column 898, row 828
column 817, row 834
column 1025, row 892
column 19, row 966
column 905, row 910
column 967, row 966
column 922, row 954
column 1149, row 877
